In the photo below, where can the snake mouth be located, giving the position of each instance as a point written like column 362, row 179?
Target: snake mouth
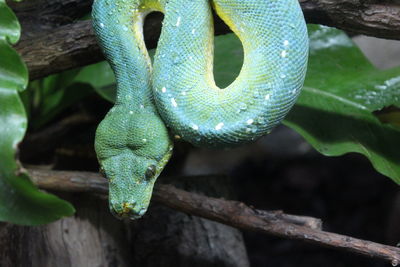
column 127, row 211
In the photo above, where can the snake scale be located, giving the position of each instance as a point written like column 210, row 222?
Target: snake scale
column 177, row 95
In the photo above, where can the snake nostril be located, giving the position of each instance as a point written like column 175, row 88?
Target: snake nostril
column 136, row 213
column 127, row 210
column 123, row 210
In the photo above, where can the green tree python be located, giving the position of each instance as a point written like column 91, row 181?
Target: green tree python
column 177, row 94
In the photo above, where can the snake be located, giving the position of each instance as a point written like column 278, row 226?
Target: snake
column 175, row 94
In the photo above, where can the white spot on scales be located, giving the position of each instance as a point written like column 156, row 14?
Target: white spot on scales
column 173, row 102
column 219, row 126
column 178, row 22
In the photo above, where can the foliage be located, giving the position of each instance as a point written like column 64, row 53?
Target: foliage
column 20, row 201
column 335, row 112
column 52, row 95
column 341, row 99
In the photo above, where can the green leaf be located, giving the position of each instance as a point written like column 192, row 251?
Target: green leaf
column 20, row 200
column 342, row 90
column 13, row 73
column 227, row 47
column 334, row 126
column 9, row 25
column 335, row 112
column 56, row 93
column 103, row 84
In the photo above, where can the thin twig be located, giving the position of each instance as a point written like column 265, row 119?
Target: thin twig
column 228, row 212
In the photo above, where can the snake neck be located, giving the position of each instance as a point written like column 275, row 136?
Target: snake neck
column 132, row 142
column 119, row 28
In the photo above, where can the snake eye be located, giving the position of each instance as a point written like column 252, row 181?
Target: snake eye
column 150, row 172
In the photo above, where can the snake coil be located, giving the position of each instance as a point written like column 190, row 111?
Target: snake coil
column 177, row 94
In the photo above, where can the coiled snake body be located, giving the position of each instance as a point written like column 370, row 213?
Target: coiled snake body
column 178, row 95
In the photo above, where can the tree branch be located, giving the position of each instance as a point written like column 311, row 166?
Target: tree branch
column 231, row 213
column 64, row 48
column 38, row 16
column 370, row 17
column 74, row 45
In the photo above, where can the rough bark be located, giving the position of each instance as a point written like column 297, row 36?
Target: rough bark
column 38, row 16
column 93, row 237
column 90, row 238
column 369, row 17
column 61, row 49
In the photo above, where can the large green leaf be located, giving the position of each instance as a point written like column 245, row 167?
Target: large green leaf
column 20, row 200
column 335, row 112
column 338, row 110
column 9, row 26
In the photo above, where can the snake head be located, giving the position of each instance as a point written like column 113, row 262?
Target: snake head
column 132, row 153
column 131, row 181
